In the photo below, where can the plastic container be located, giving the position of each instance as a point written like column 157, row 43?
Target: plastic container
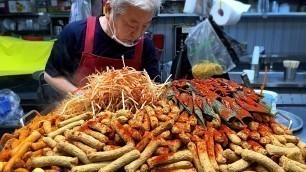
column 270, row 97
column 5, row 105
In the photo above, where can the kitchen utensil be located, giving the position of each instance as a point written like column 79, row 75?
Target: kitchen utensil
column 295, row 122
column 246, row 80
column 270, row 97
column 250, row 73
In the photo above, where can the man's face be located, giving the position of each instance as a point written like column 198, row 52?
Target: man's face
column 131, row 24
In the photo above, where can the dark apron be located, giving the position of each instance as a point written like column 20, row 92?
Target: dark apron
column 91, row 63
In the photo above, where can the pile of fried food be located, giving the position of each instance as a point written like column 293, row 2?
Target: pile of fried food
column 167, row 134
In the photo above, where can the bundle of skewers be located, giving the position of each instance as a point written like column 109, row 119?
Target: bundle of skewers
column 190, row 125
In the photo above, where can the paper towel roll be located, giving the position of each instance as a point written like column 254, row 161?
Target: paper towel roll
column 232, row 12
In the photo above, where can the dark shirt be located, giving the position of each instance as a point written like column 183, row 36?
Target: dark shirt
column 66, row 53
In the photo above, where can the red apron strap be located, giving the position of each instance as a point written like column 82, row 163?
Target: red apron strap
column 138, row 52
column 90, row 34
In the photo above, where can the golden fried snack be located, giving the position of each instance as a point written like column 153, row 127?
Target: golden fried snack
column 261, row 168
column 302, row 147
column 46, row 161
column 83, row 116
column 291, row 138
column 120, row 162
column 161, row 151
column 173, row 145
column 162, row 117
column 152, row 116
column 62, row 129
column 219, row 154
column 110, row 147
column 257, row 147
column 90, row 167
column 203, row 155
column 22, row 150
column 99, row 136
column 146, row 124
column 145, row 141
column 47, row 127
column 230, row 156
column 236, row 148
column 275, row 141
column 145, row 155
column 104, row 129
column 239, row 165
column 179, row 127
column 122, row 119
column 110, row 155
column 38, row 170
column 135, row 133
column 165, row 105
column 21, row 170
column 50, row 142
column 284, row 159
column 210, row 145
column 290, row 145
column 126, row 113
column 184, row 138
column 38, row 145
column 185, row 155
column 192, row 121
column 261, row 159
column 144, row 168
column 73, row 150
column 123, row 133
column 166, row 135
column 173, row 166
column 277, row 150
column 83, row 147
column 254, row 135
column 2, row 164
column 59, row 138
column 19, row 163
column 253, row 126
column 232, row 136
column 264, row 140
column 163, row 127
column 244, row 134
column 196, row 160
column 277, row 129
column 281, row 139
column 37, row 153
column 85, row 138
column 35, row 135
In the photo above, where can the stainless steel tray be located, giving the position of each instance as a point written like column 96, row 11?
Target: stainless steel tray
column 289, row 119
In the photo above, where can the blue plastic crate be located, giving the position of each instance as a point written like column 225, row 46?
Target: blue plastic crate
column 5, row 105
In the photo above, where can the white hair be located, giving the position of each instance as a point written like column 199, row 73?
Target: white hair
column 120, row 6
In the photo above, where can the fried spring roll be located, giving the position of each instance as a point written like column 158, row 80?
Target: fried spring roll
column 277, row 129
column 173, row 145
column 38, row 145
column 281, row 139
column 83, row 116
column 284, row 159
column 110, row 155
column 236, row 148
column 179, row 127
column 185, row 155
column 61, row 161
column 211, row 148
column 264, row 140
column 73, row 150
column 90, row 167
column 257, row 147
column 47, row 127
column 121, row 162
column 62, row 129
column 145, row 155
column 254, row 135
column 232, row 136
column 85, row 138
column 166, row 135
column 196, row 160
column 23, row 149
column 244, row 134
column 135, row 133
column 185, row 139
column 144, row 142
column 291, row 138
column 277, row 150
column 261, row 159
column 253, row 126
column 230, row 156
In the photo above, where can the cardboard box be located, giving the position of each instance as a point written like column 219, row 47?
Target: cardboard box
column 20, row 6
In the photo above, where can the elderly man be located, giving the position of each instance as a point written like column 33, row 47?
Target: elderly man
column 97, row 42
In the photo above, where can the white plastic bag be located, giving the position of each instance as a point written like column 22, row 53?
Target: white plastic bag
column 204, row 46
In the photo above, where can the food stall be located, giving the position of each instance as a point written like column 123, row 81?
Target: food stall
column 121, row 120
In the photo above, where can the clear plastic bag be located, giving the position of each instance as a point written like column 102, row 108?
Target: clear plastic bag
column 206, row 52
column 80, row 9
column 11, row 111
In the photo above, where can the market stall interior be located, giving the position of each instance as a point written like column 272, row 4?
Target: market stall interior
column 232, row 96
